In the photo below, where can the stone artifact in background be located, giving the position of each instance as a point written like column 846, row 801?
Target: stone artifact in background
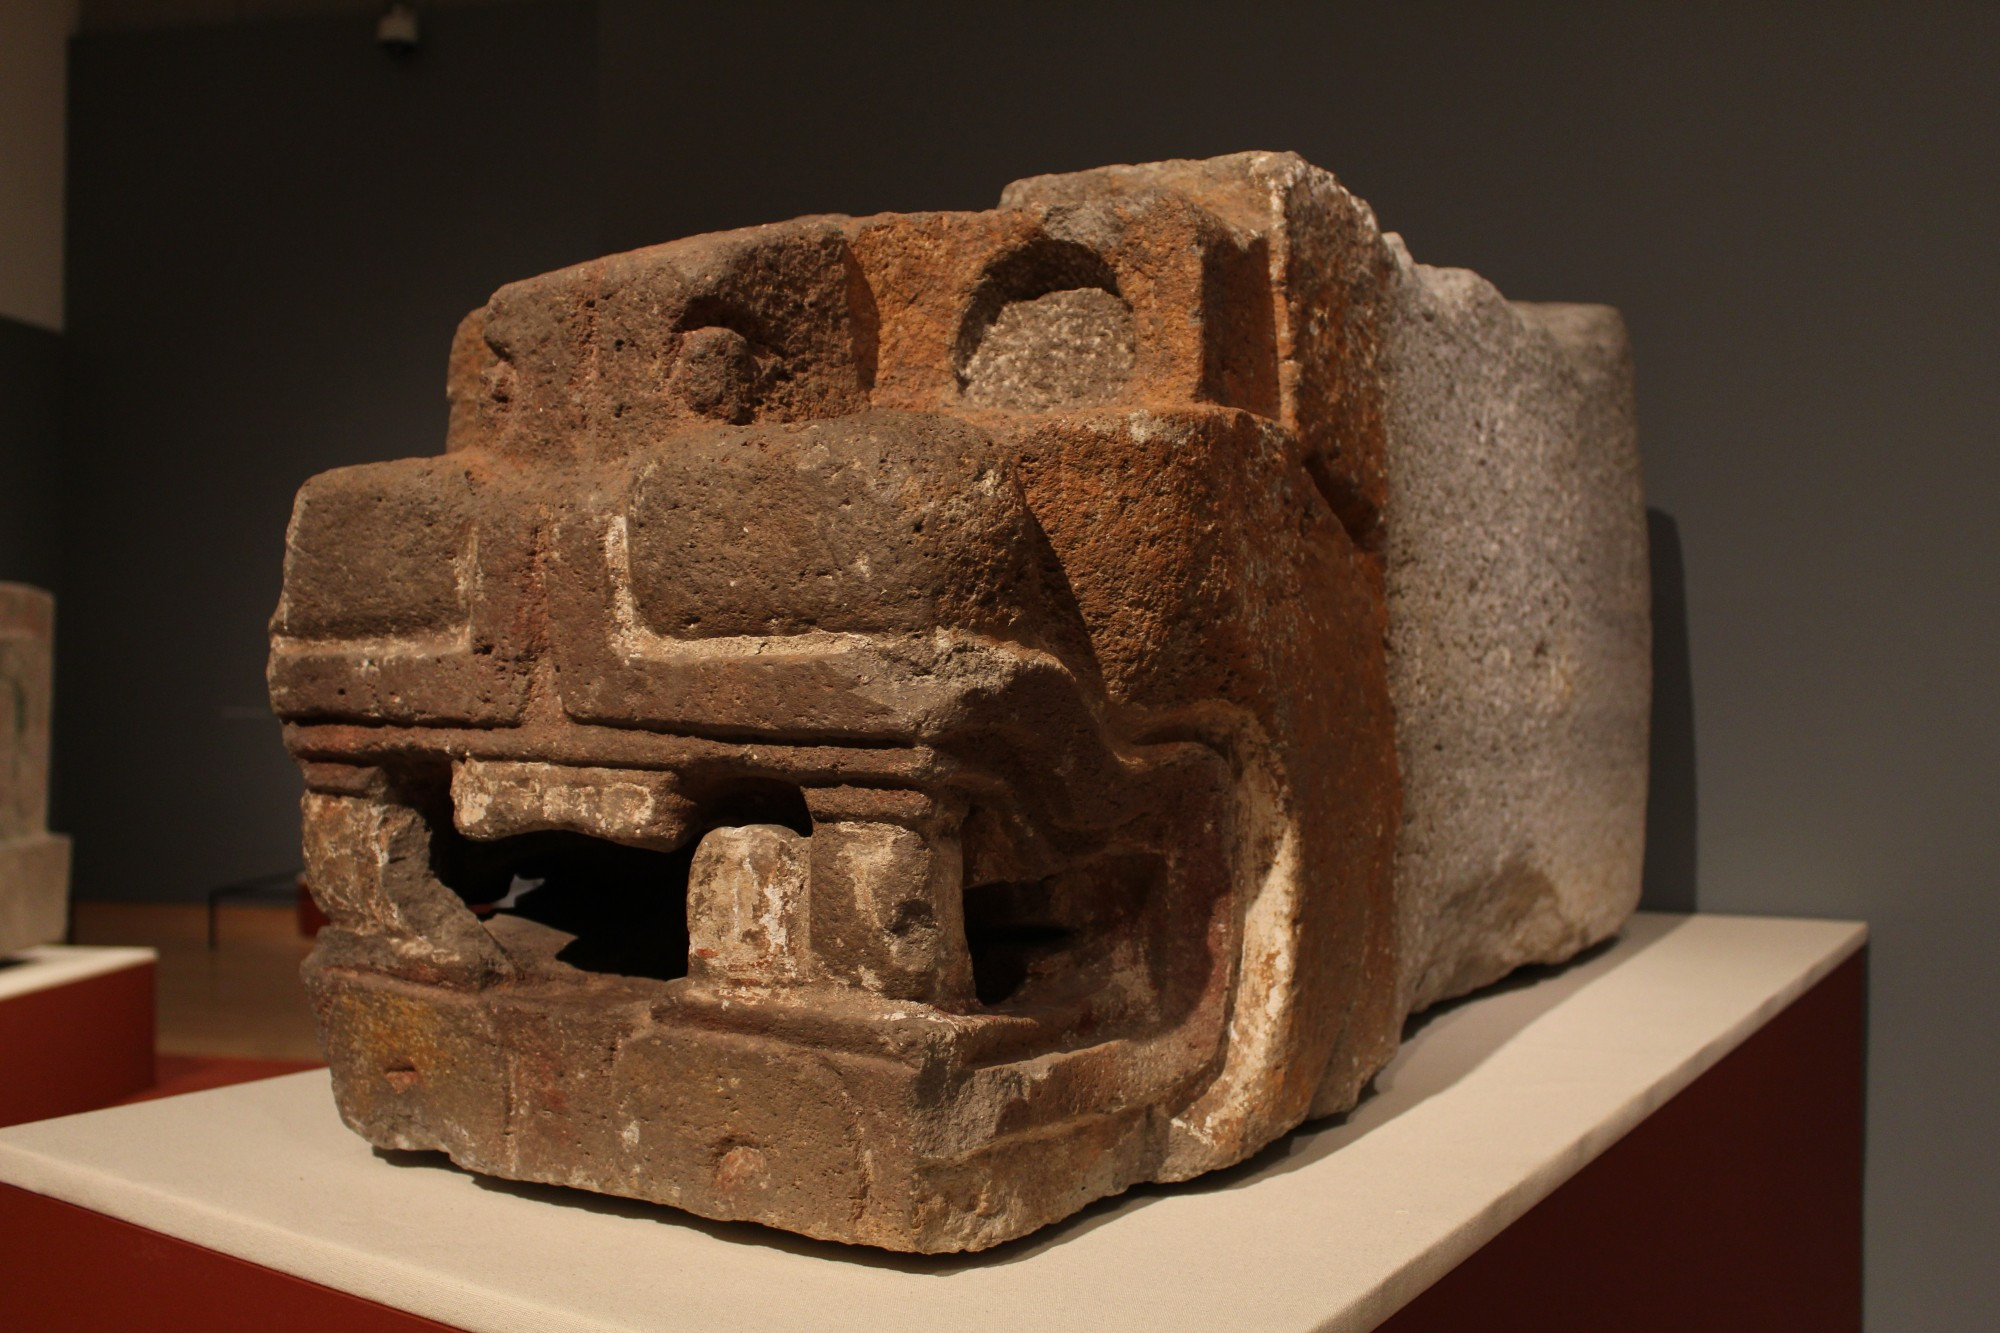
column 897, row 727
column 34, row 863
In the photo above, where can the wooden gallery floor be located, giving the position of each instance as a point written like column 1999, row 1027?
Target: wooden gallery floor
column 240, row 1000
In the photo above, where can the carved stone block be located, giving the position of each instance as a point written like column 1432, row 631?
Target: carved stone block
column 34, row 863
column 897, row 727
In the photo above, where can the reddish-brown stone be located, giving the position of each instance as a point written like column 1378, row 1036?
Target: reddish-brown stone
column 881, row 727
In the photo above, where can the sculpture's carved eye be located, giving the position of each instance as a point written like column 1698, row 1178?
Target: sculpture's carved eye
column 716, row 374
column 1046, row 329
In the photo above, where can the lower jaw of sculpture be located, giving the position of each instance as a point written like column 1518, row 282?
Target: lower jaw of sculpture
column 923, row 1114
column 828, row 1115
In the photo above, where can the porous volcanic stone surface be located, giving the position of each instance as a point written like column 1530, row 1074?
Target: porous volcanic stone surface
column 1519, row 639
column 34, row 863
column 897, row 727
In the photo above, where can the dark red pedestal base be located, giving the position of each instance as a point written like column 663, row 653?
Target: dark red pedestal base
column 77, row 1046
column 71, row 1268
column 1736, row 1206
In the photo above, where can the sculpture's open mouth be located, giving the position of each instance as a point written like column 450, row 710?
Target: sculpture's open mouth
column 571, row 901
column 733, row 975
column 743, row 966
column 733, row 887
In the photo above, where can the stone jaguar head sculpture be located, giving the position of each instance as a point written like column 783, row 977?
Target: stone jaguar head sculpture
column 894, row 728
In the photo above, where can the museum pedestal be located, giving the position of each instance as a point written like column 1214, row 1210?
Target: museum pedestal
column 1666, row 1134
column 76, row 1029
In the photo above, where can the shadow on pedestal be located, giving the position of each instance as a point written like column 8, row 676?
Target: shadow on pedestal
column 1670, row 801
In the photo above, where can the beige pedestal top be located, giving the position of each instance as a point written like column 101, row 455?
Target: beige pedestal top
column 1491, row 1105
column 59, row 964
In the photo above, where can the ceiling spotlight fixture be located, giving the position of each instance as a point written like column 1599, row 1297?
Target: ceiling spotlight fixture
column 397, row 28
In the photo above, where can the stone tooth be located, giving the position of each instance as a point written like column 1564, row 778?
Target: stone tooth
column 749, row 915
column 494, row 799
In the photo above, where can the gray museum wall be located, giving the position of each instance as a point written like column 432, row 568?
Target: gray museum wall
column 30, row 434
column 32, row 70
column 275, row 226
